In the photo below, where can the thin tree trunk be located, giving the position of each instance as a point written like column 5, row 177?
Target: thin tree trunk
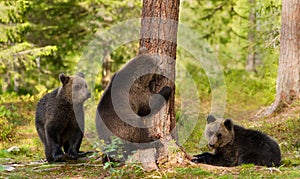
column 288, row 79
column 6, row 83
column 16, row 75
column 106, row 71
column 159, row 35
column 250, row 64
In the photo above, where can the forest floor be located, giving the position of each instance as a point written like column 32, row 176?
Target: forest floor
column 21, row 153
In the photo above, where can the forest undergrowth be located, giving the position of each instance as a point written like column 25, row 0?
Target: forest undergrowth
column 21, row 152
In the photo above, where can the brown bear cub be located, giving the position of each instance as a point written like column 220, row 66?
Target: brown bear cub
column 60, row 118
column 234, row 145
column 130, row 100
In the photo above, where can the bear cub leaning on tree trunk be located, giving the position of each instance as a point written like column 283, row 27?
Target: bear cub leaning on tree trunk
column 60, row 118
column 234, row 145
column 130, row 100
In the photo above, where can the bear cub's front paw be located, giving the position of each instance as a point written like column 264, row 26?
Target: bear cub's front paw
column 166, row 92
column 72, row 155
column 59, row 156
column 200, row 158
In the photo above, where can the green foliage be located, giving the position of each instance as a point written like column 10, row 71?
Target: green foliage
column 225, row 26
column 8, row 118
column 6, row 128
column 39, row 39
column 14, row 111
column 4, row 153
column 18, row 56
column 253, row 89
column 48, row 37
column 114, row 151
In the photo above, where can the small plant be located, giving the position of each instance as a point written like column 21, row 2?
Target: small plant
column 115, row 148
column 4, row 154
column 114, row 154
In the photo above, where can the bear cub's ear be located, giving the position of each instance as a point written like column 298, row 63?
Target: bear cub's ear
column 64, row 78
column 228, row 124
column 80, row 74
column 210, row 118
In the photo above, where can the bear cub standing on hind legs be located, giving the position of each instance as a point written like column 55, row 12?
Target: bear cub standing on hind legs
column 129, row 101
column 235, row 145
column 60, row 118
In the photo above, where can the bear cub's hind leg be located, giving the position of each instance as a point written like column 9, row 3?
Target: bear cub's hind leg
column 53, row 142
column 72, row 146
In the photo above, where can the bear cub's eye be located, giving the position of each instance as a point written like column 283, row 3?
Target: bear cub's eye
column 210, row 133
column 77, row 87
column 219, row 136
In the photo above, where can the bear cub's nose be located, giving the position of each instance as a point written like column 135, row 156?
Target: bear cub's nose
column 211, row 145
column 89, row 94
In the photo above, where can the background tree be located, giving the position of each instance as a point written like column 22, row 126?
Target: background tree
column 250, row 64
column 288, row 79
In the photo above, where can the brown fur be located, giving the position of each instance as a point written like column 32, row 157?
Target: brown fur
column 129, row 101
column 60, row 118
column 234, row 145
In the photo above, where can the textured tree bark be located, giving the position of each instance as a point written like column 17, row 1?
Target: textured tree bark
column 159, row 35
column 250, row 64
column 288, row 79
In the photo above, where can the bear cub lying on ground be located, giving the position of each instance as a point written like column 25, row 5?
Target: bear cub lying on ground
column 60, row 118
column 234, row 145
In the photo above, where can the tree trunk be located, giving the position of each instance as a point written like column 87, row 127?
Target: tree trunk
column 250, row 64
column 159, row 35
column 6, row 83
column 288, row 79
column 106, row 70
